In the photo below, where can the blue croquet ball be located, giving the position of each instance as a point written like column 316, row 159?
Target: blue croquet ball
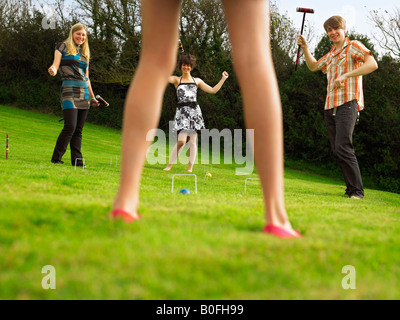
column 184, row 191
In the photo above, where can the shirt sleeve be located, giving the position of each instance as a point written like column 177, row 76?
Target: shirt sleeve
column 358, row 51
column 322, row 64
column 60, row 47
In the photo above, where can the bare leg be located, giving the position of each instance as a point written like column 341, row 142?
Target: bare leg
column 176, row 150
column 249, row 34
column 192, row 151
column 144, row 99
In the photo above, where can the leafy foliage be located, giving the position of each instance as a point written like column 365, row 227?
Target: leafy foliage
column 26, row 52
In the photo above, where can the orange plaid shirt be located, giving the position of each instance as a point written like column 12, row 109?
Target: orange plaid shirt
column 338, row 62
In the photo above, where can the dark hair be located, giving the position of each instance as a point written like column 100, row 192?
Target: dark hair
column 335, row 22
column 187, row 59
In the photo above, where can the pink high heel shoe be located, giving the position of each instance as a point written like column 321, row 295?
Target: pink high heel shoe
column 125, row 216
column 280, row 232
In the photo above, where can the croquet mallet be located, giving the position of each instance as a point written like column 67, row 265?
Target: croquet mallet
column 305, row 10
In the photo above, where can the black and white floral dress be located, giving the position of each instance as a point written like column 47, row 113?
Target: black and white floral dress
column 188, row 115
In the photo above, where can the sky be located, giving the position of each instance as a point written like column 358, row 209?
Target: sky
column 356, row 13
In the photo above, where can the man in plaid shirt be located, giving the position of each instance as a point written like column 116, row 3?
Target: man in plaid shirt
column 344, row 66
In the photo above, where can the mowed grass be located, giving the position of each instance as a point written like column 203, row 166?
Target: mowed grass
column 207, row 245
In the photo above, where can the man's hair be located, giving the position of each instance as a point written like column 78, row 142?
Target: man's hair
column 187, row 59
column 335, row 22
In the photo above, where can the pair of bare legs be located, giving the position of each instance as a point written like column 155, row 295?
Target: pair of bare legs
column 249, row 34
column 182, row 138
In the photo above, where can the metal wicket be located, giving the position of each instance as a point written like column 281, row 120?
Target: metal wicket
column 7, row 147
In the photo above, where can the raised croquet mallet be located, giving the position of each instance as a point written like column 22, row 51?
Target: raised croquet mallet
column 305, row 10
column 7, row 148
column 180, row 46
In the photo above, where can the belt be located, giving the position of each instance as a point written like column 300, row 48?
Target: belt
column 192, row 105
column 348, row 102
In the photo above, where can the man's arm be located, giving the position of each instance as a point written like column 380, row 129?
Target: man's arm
column 370, row 65
column 310, row 60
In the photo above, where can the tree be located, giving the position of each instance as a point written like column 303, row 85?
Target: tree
column 114, row 35
column 283, row 43
column 389, row 26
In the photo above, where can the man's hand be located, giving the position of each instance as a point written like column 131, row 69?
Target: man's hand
column 339, row 82
column 302, row 42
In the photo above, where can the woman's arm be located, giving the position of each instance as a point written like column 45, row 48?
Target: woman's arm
column 213, row 90
column 56, row 63
column 173, row 80
column 93, row 100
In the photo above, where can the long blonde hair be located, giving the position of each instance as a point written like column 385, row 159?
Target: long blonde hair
column 71, row 46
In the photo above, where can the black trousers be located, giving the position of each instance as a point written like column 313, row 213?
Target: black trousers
column 340, row 130
column 74, row 120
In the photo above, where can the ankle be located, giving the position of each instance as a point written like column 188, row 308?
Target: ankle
column 128, row 206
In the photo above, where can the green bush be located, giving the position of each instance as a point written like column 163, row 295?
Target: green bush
column 24, row 82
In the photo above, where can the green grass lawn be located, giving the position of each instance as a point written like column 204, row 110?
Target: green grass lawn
column 207, row 245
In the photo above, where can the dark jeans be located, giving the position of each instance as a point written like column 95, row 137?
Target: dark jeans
column 74, row 120
column 340, row 130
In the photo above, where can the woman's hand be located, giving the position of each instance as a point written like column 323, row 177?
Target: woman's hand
column 94, row 102
column 52, row 70
column 225, row 75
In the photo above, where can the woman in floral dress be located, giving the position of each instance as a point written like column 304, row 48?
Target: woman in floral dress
column 188, row 117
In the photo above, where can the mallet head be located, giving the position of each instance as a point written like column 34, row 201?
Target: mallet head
column 180, row 46
column 306, row 10
column 102, row 100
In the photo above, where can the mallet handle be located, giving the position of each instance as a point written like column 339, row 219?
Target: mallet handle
column 298, row 50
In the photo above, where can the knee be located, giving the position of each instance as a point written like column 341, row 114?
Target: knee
column 248, row 68
column 169, row 62
column 69, row 129
column 192, row 143
column 77, row 132
column 78, row 129
column 343, row 151
column 163, row 62
column 180, row 143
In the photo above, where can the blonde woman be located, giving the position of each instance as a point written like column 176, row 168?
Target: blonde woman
column 71, row 58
